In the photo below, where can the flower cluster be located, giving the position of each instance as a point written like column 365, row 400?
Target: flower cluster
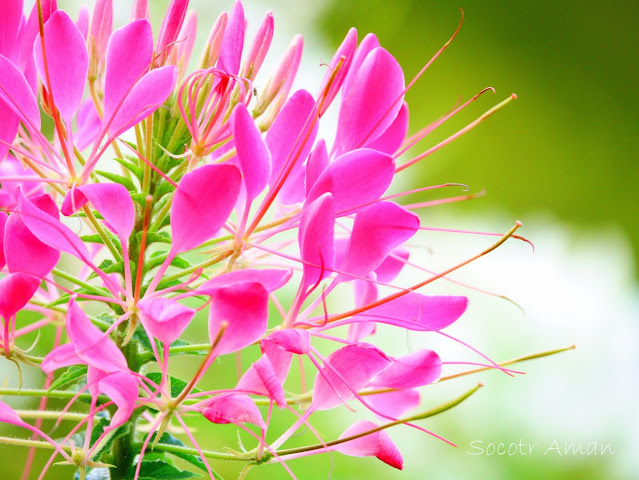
column 138, row 165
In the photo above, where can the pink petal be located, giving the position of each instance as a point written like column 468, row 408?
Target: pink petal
column 416, row 311
column 126, row 65
column 315, row 238
column 368, row 43
column 140, row 10
column 17, row 95
column 9, row 123
column 92, row 346
column 289, row 340
column 122, row 388
column 390, row 141
column 10, row 19
column 371, row 103
column 186, row 39
column 396, row 403
column 390, row 267
column 3, row 222
column 377, row 230
column 28, row 33
column 264, row 382
column 23, row 251
column 101, row 26
column 83, row 21
column 89, row 123
column 11, row 167
column 269, row 380
column 366, row 292
column 112, row 200
column 165, row 318
column 67, row 63
column 233, row 41
column 146, row 96
column 62, row 356
column 356, row 178
column 317, row 163
column 236, row 409
column 16, row 289
column 252, row 154
column 270, row 278
column 378, row 444
column 356, row 364
column 292, row 136
column 414, row 370
column 8, row 415
column 202, row 203
column 245, row 309
column 51, row 231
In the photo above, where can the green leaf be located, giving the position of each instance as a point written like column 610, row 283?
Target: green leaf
column 120, row 432
column 95, row 238
column 101, row 421
column 139, row 198
column 195, row 460
column 64, row 299
column 159, row 470
column 177, row 385
column 125, row 182
column 141, row 337
column 157, row 258
column 71, row 376
column 155, row 237
column 163, row 188
column 131, row 167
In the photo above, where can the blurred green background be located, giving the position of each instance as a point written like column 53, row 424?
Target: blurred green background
column 569, row 145
column 562, row 159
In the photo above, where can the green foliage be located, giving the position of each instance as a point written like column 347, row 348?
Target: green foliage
column 168, row 439
column 69, row 377
column 124, row 181
column 159, row 470
column 177, row 385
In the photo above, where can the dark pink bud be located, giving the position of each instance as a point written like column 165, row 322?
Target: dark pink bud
column 377, row 444
column 171, row 26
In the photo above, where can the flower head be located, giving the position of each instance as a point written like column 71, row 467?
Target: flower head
column 226, row 194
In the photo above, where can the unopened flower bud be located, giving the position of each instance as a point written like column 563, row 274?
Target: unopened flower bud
column 212, row 48
column 279, row 85
column 171, row 26
column 259, row 49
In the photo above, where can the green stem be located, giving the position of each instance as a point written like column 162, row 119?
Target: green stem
column 76, row 281
column 197, row 348
column 31, row 392
column 161, row 215
column 163, row 447
column 51, row 415
column 216, row 259
column 23, row 442
column 103, row 235
column 419, row 416
column 123, row 450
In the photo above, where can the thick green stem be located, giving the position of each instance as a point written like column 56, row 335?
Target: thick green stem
column 123, row 451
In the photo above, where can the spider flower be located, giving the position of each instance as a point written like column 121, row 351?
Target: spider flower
column 182, row 196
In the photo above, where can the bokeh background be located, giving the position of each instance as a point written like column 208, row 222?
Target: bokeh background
column 563, row 160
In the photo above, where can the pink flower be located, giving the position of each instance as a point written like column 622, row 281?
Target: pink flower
column 229, row 210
